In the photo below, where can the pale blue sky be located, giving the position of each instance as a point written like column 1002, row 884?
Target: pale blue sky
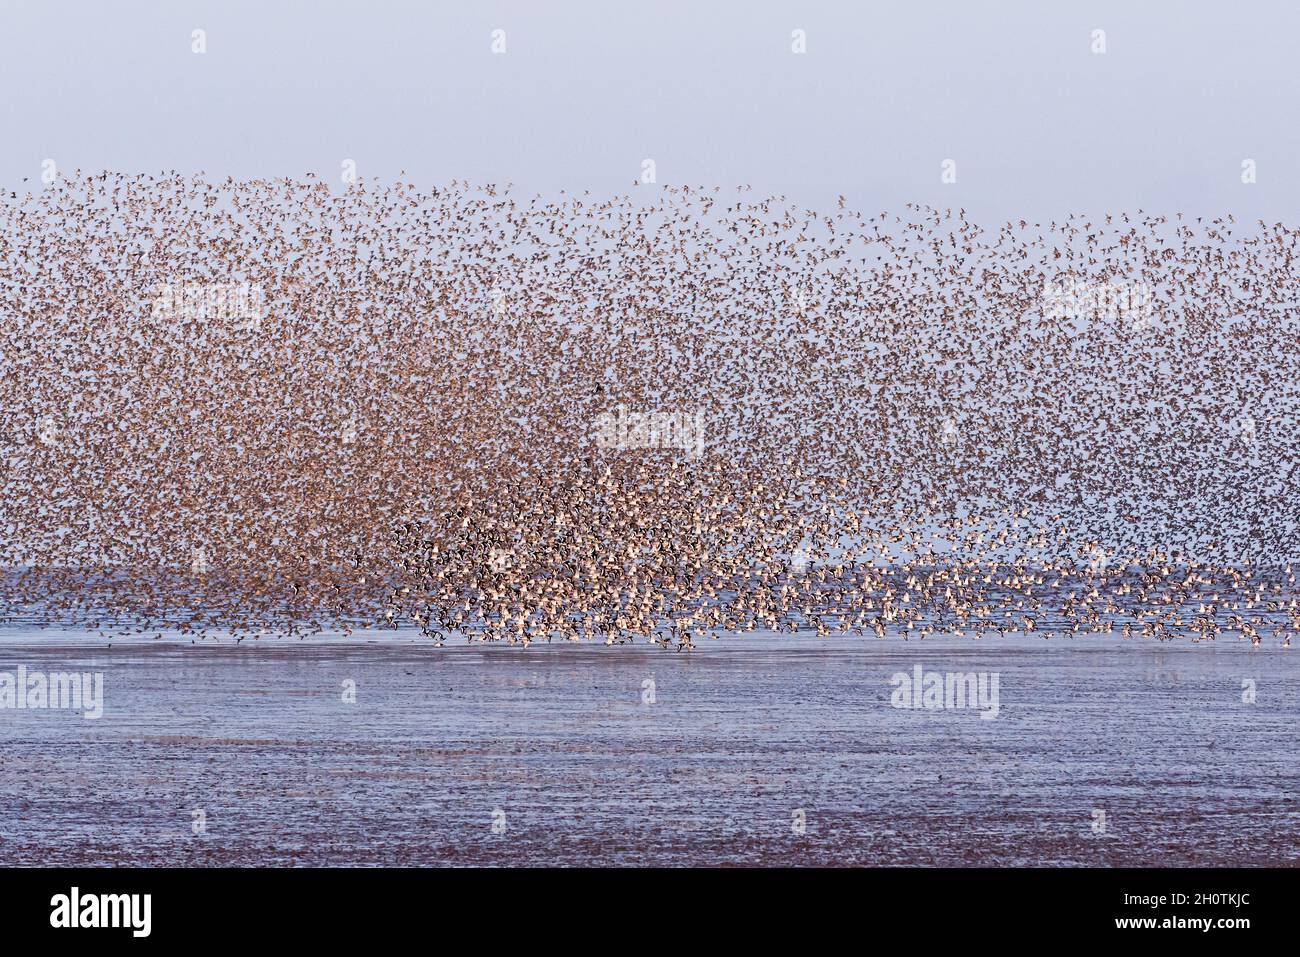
column 1038, row 124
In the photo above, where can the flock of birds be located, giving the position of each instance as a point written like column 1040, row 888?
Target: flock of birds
column 910, row 424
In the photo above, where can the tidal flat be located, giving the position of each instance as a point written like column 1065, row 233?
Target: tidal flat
column 761, row 750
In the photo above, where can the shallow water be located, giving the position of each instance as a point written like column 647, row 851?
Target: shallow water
column 549, row 755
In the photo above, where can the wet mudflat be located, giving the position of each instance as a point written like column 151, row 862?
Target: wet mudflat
column 762, row 750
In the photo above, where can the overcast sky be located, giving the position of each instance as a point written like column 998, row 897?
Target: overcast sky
column 1037, row 123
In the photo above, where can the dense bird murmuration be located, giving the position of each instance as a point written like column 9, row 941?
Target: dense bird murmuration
column 275, row 407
